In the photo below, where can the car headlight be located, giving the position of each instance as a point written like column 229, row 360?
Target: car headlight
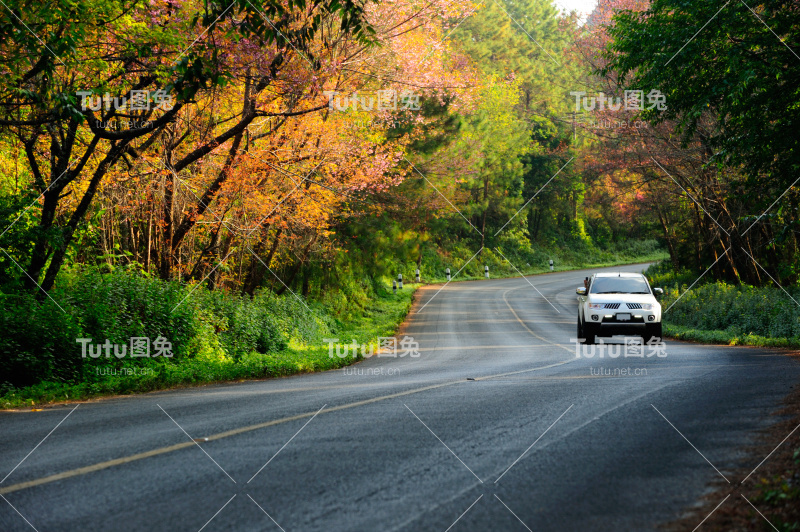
column 647, row 306
column 596, row 306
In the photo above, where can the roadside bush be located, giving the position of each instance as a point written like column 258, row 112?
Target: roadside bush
column 663, row 274
column 38, row 341
column 245, row 325
column 740, row 311
column 124, row 304
column 34, row 338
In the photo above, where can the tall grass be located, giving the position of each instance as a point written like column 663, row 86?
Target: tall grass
column 38, row 341
column 734, row 313
column 215, row 336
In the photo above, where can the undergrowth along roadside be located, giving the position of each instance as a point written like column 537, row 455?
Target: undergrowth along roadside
column 214, row 336
column 723, row 313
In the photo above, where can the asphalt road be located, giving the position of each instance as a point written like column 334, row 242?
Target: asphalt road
column 497, row 425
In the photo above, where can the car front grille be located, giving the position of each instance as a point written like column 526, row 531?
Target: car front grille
column 634, row 305
column 612, row 305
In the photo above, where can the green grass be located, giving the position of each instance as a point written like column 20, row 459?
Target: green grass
column 381, row 317
column 680, row 332
column 722, row 313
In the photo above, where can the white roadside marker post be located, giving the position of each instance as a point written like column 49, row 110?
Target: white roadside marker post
column 400, row 280
column 551, row 265
column 417, row 274
column 394, row 286
column 447, row 271
column 486, row 271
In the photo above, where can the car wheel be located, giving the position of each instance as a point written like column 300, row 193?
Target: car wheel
column 590, row 332
column 652, row 333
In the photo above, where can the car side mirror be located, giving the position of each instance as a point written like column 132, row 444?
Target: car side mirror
column 658, row 291
column 581, row 291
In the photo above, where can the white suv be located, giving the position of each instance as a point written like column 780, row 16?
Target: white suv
column 618, row 303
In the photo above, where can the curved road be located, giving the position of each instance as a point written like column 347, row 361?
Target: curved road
column 497, row 425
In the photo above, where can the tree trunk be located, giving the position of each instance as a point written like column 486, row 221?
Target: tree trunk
column 297, row 266
column 261, row 269
column 40, row 251
column 166, row 247
column 80, row 211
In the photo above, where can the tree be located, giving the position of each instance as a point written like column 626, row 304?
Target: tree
column 731, row 91
column 50, row 52
column 744, row 66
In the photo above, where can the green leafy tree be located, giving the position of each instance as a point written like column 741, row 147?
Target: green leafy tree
column 743, row 66
column 731, row 77
column 495, row 139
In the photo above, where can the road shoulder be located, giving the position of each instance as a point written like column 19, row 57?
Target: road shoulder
column 766, row 493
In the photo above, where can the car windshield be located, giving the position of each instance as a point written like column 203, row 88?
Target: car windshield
column 619, row 285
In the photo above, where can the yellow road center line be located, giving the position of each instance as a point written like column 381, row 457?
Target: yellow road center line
column 542, row 338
